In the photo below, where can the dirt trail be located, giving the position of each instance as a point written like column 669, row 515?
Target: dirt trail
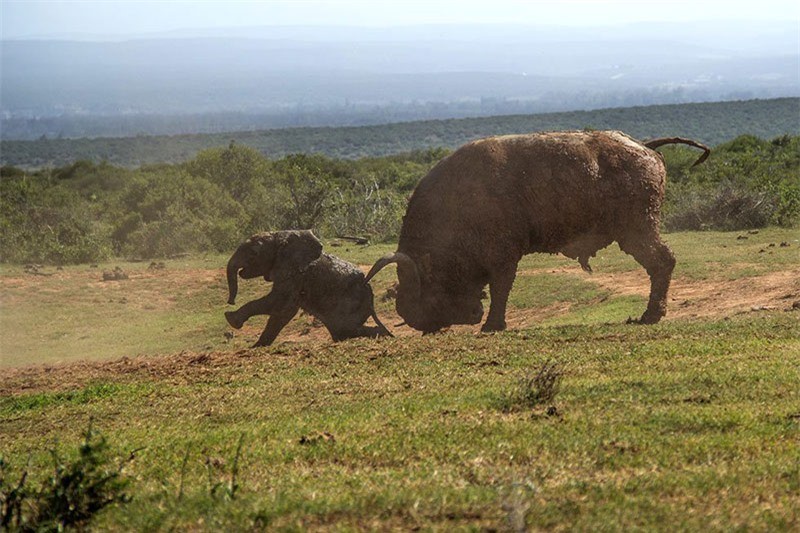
column 690, row 298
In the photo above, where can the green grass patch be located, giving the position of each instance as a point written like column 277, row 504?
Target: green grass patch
column 685, row 425
column 92, row 392
column 653, row 426
column 543, row 290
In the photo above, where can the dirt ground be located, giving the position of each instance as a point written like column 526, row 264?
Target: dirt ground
column 688, row 299
column 695, row 298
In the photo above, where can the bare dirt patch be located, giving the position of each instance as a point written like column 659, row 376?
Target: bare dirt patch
column 689, row 298
column 716, row 298
column 182, row 367
column 143, row 288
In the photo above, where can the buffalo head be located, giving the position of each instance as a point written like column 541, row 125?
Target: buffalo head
column 428, row 304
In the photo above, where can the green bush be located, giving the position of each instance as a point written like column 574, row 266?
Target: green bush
column 86, row 211
column 365, row 209
column 71, row 496
column 40, row 223
column 746, row 183
column 726, row 207
column 173, row 212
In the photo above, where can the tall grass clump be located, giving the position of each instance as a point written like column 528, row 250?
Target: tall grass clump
column 75, row 492
column 538, row 386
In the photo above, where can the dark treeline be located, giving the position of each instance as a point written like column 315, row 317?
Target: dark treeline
column 87, row 211
column 711, row 123
column 76, row 126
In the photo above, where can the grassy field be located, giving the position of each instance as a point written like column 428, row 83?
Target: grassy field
column 690, row 424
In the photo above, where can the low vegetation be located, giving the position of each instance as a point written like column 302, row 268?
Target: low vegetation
column 750, row 183
column 538, row 386
column 77, row 490
column 87, row 212
column 571, row 419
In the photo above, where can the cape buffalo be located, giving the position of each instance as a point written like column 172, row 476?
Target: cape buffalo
column 479, row 210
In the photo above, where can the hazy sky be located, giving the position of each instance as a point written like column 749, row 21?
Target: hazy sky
column 25, row 18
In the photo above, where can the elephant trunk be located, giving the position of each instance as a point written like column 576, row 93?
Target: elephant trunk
column 233, row 279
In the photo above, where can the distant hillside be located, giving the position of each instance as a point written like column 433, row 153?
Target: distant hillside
column 711, row 123
column 76, row 88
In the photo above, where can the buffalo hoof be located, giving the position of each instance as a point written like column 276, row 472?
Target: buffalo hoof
column 645, row 320
column 232, row 319
column 490, row 327
column 260, row 344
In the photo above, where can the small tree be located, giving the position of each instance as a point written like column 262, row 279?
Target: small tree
column 307, row 189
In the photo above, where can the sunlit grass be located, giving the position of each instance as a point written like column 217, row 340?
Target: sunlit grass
column 72, row 314
column 652, row 424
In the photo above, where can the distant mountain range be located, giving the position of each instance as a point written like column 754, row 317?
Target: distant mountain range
column 254, row 78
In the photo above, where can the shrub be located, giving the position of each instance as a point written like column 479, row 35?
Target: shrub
column 75, row 493
column 48, row 225
column 172, row 212
column 367, row 210
column 727, row 207
column 84, row 212
column 746, row 183
column 537, row 387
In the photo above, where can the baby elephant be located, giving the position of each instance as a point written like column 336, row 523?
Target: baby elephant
column 332, row 290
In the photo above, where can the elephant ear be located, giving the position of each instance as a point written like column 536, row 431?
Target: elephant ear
column 261, row 250
column 295, row 251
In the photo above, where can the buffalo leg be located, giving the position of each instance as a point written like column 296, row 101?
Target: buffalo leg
column 277, row 321
column 499, row 289
column 656, row 257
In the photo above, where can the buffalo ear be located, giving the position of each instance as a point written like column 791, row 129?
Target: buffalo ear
column 296, row 249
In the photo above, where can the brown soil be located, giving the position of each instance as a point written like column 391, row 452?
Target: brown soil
column 185, row 367
column 708, row 299
column 688, row 299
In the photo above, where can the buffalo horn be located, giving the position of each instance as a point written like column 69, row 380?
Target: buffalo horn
column 409, row 268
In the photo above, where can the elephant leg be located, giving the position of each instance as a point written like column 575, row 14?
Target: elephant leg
column 499, row 289
column 262, row 306
column 657, row 258
column 277, row 321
